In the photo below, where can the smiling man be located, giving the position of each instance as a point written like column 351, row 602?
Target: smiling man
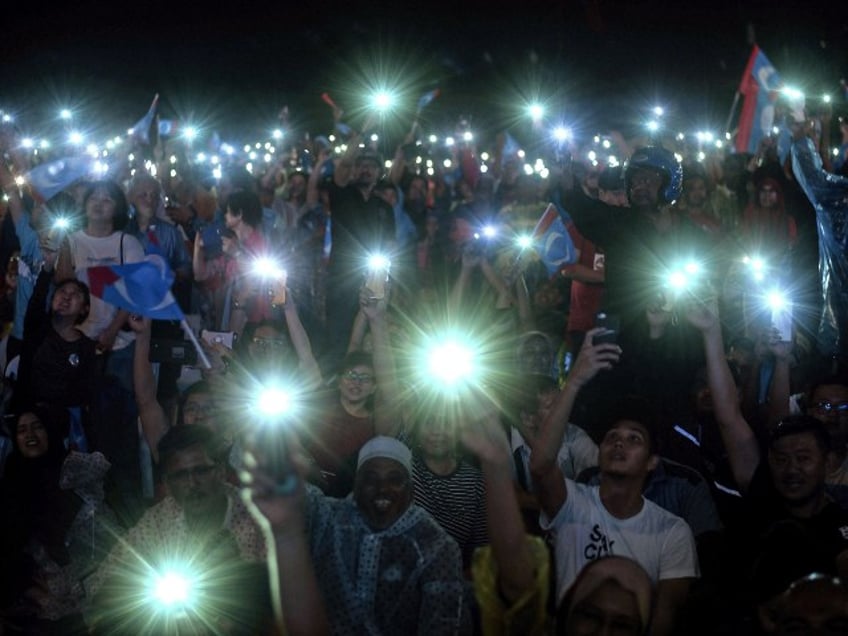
column 792, row 527
column 200, row 511
column 375, row 563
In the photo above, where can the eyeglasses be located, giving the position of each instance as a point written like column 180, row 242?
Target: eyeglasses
column 362, row 378
column 828, row 406
column 185, row 475
column 268, row 343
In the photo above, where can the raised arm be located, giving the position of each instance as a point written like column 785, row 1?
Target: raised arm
column 387, row 407
column 296, row 596
column 300, row 341
column 543, row 465
column 739, row 440
column 510, row 550
column 154, row 421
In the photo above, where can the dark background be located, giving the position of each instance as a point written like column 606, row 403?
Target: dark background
column 229, row 66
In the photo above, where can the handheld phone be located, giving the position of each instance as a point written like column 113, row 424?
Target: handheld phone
column 212, row 242
column 611, row 324
column 172, row 351
column 378, row 276
column 781, row 320
column 280, row 465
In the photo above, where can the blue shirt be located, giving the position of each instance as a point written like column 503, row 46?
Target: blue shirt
column 28, row 269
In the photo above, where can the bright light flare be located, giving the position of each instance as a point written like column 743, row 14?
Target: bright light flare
column 792, row 92
column 383, row 101
column 66, row 114
column 378, row 262
column 277, row 134
column 75, row 137
column 777, row 301
column 562, row 134
column 524, row 241
column 273, row 401
column 826, row 99
column 451, row 362
column 490, row 231
column 190, row 133
column 172, row 589
column 62, row 223
column 536, row 111
column 265, row 267
column 682, row 278
column 659, row 111
column 653, row 125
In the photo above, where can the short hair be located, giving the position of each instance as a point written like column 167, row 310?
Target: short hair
column 798, row 424
column 827, row 380
column 181, row 438
column 119, row 221
column 636, row 408
column 246, row 205
column 529, row 387
column 139, row 179
column 355, row 359
column 84, row 290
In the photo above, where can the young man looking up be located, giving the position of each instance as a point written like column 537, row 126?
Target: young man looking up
column 589, row 522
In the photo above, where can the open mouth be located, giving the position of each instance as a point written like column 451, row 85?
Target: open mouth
column 382, row 505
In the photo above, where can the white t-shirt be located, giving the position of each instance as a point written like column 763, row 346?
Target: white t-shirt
column 583, row 531
column 91, row 251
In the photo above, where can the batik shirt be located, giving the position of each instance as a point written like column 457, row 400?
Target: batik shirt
column 406, row 579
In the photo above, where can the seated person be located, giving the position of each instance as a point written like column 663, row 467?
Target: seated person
column 374, row 562
column 788, row 511
column 57, row 527
column 587, row 523
column 201, row 525
column 447, row 485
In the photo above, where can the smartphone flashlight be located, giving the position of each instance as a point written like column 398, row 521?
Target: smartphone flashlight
column 378, row 275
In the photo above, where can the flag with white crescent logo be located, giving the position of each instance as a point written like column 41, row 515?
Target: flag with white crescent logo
column 760, row 86
column 142, row 288
column 552, row 241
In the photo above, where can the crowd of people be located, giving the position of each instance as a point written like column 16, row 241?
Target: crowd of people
column 401, row 414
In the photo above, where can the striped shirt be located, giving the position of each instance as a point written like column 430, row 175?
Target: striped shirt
column 456, row 501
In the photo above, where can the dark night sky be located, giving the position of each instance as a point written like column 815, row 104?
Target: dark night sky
column 233, row 68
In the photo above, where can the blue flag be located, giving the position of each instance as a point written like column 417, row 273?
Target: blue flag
column 427, row 98
column 141, row 129
column 142, row 288
column 552, row 241
column 50, row 178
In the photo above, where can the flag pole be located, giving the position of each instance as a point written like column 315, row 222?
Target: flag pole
column 732, row 110
column 190, row 335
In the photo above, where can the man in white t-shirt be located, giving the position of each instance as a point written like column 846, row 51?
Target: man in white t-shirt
column 588, row 522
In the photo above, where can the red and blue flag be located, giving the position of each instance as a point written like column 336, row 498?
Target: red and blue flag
column 552, row 241
column 760, row 86
column 142, row 288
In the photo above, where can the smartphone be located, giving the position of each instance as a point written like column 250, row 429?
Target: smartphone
column 226, row 338
column 376, row 280
column 172, row 351
column 612, row 325
column 781, row 320
column 212, row 242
